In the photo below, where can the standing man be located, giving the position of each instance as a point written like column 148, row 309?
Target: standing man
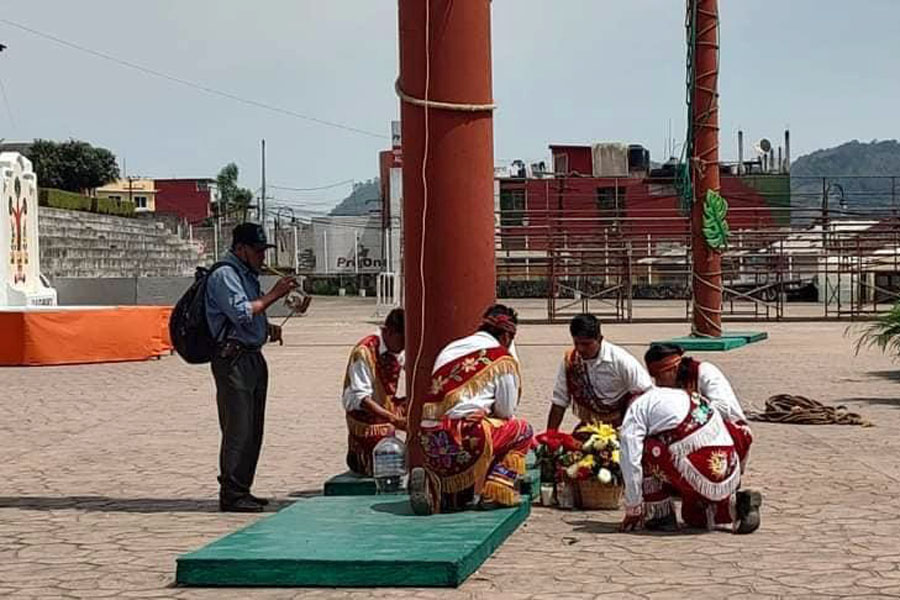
column 236, row 313
column 596, row 377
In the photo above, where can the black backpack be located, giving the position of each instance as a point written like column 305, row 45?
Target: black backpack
column 188, row 326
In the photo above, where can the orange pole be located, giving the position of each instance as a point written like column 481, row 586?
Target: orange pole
column 458, row 231
column 707, row 271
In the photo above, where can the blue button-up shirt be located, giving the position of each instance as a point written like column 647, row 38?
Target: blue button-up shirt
column 229, row 292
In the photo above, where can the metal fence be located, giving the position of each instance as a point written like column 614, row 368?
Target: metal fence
column 831, row 252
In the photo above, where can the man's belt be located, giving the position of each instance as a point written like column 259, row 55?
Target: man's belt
column 234, row 348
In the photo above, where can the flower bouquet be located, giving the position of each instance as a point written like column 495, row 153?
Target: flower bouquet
column 552, row 450
column 596, row 467
column 552, row 446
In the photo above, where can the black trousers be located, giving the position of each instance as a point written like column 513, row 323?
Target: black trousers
column 241, row 385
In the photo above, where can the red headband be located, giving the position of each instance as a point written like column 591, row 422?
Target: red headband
column 501, row 322
column 664, row 364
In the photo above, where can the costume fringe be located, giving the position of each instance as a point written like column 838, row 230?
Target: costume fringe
column 434, row 484
column 710, row 434
column 699, row 483
column 505, row 365
column 659, row 509
column 368, row 430
column 501, row 489
column 494, row 491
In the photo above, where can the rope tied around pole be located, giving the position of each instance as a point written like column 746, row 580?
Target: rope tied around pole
column 441, row 105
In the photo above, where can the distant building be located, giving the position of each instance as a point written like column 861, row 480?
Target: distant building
column 190, row 199
column 138, row 190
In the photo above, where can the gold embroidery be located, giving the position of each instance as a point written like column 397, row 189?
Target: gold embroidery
column 718, row 464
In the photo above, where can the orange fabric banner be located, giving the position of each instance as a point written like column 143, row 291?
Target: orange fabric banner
column 84, row 335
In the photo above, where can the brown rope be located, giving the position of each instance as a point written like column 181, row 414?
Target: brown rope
column 800, row 410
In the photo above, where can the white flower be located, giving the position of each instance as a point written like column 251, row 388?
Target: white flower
column 604, row 476
column 572, row 471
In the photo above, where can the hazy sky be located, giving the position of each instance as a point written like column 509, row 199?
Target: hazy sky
column 564, row 71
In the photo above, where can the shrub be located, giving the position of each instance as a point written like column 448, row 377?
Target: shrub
column 65, row 200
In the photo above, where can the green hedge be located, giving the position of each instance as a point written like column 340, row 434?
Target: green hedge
column 122, row 208
column 72, row 201
column 62, row 199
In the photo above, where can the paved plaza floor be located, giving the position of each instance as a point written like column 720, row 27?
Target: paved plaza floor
column 109, row 473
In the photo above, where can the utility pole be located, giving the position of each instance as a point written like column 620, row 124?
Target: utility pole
column 261, row 209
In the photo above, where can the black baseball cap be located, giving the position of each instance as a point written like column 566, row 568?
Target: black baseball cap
column 251, row 234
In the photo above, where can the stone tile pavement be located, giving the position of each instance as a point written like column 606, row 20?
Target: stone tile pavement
column 108, row 473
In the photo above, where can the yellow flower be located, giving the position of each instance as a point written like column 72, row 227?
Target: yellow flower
column 587, row 462
column 615, row 456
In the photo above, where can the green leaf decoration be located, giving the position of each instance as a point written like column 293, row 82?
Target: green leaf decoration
column 715, row 227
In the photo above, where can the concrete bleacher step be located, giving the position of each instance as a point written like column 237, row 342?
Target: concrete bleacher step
column 82, row 244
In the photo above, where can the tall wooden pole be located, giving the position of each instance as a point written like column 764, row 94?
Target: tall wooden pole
column 448, row 214
column 707, row 269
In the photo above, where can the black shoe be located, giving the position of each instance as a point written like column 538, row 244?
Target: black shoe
column 258, row 500
column 747, row 507
column 244, row 504
column 667, row 523
column 419, row 494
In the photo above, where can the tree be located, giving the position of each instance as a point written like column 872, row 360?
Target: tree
column 232, row 197
column 73, row 166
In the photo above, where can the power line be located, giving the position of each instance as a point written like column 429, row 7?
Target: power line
column 191, row 84
column 312, row 189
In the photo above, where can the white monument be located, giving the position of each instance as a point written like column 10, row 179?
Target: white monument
column 21, row 282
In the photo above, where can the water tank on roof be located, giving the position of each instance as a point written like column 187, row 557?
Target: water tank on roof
column 638, row 158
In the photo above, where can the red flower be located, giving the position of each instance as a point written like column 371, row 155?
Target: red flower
column 554, row 440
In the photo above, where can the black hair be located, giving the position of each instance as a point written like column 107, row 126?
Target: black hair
column 496, row 310
column 396, row 321
column 660, row 351
column 585, row 326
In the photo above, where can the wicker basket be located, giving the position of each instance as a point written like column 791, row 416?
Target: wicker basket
column 594, row 495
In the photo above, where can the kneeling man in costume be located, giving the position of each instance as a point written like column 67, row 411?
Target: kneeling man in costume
column 473, row 445
column 670, row 368
column 674, row 442
column 370, row 386
column 597, row 378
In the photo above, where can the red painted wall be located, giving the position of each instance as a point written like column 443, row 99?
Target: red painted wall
column 574, row 212
column 183, row 197
column 581, row 160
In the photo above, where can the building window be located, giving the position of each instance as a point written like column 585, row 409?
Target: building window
column 610, row 198
column 115, row 198
column 512, row 214
column 512, row 208
column 202, row 186
column 140, row 201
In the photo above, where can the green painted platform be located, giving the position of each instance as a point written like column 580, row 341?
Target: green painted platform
column 351, row 484
column 352, row 541
column 729, row 341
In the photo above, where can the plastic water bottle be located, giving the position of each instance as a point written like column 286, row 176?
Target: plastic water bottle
column 389, row 465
